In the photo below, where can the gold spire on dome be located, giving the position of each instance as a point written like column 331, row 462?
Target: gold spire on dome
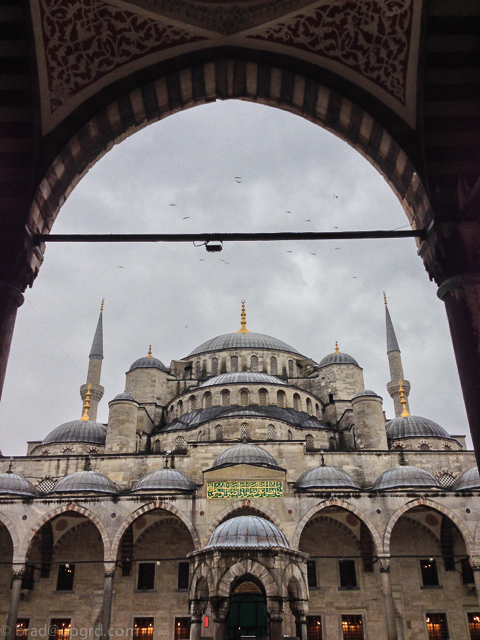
column 86, row 406
column 403, row 401
column 149, row 354
column 385, row 298
column 243, row 322
column 101, row 306
column 337, row 350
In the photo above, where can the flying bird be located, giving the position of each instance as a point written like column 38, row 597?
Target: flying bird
column 307, row 220
column 224, row 261
column 237, row 177
column 313, row 254
column 335, row 197
column 335, row 227
column 186, row 218
column 238, row 181
column 288, row 212
column 354, row 277
column 337, row 248
column 289, row 251
column 119, row 267
column 172, row 205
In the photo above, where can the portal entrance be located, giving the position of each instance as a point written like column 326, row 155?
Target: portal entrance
column 247, row 615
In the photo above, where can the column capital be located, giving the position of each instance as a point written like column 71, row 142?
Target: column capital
column 384, row 562
column 7, row 289
column 109, row 568
column 457, row 282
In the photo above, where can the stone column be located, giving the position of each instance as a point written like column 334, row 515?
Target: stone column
column 388, row 599
column 275, row 611
column 475, row 564
column 197, row 611
column 301, row 624
column 219, row 610
column 18, row 571
column 107, row 598
column 10, row 299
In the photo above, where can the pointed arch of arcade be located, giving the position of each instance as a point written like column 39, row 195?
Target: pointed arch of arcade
column 8, row 524
column 467, row 536
column 199, row 573
column 243, row 504
column 343, row 505
column 245, row 568
column 26, row 544
column 151, row 506
column 293, row 571
column 225, row 79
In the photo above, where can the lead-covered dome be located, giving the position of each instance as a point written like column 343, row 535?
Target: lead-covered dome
column 246, row 340
column 366, row 393
column 148, row 362
column 165, row 479
column 85, row 482
column 337, row 358
column 245, row 377
column 13, row 485
column 85, row 431
column 123, row 396
column 405, row 477
column 467, row 481
column 247, row 532
column 326, row 478
column 245, row 453
column 414, row 427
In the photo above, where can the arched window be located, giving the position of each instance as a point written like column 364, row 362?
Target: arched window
column 273, row 366
column 263, row 398
column 447, row 447
column 281, row 399
column 198, row 369
column 234, row 364
column 245, row 431
column 214, row 366
column 397, row 447
column 180, row 444
column 179, row 408
column 219, row 433
column 332, row 443
column 309, row 406
column 309, row 443
column 424, row 446
column 157, row 447
column 290, row 368
column 244, row 397
column 254, row 363
column 289, row 435
column 271, row 433
column 297, row 403
column 317, row 410
column 225, row 398
column 68, row 451
column 207, row 400
column 192, row 401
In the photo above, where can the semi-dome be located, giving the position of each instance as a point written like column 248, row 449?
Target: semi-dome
column 467, row 481
column 123, row 396
column 414, row 427
column 243, row 377
column 245, row 453
column 247, row 532
column 366, row 393
column 326, row 478
column 246, row 340
column 165, row 479
column 337, row 358
column 405, row 477
column 85, row 482
column 148, row 362
column 85, row 431
column 13, row 485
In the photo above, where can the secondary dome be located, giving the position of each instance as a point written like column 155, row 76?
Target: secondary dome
column 245, row 376
column 337, row 358
column 247, row 532
column 243, row 341
column 366, row 393
column 148, row 362
column 13, row 485
column 245, row 453
column 77, row 431
column 165, row 479
column 123, row 396
column 467, row 481
column 85, row 481
column 326, row 478
column 414, row 427
column 405, row 477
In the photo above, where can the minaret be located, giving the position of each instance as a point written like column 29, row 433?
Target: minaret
column 396, row 369
column 94, row 371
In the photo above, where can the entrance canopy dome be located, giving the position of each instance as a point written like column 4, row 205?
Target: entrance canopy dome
column 405, row 477
column 85, row 482
column 244, row 377
column 77, row 431
column 165, row 479
column 243, row 341
column 16, row 486
column 326, row 478
column 247, row 532
column 245, row 453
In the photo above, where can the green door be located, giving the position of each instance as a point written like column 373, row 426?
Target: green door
column 247, row 616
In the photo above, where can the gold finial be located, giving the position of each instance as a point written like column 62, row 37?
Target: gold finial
column 243, row 322
column 149, row 354
column 337, row 350
column 86, row 406
column 385, row 298
column 101, row 306
column 403, row 401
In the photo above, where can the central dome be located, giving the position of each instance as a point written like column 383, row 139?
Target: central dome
column 247, row 532
column 243, row 341
column 244, row 376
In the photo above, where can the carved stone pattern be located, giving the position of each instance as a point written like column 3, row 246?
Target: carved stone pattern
column 370, row 37
column 85, row 40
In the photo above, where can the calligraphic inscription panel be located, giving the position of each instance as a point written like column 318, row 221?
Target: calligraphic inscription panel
column 245, row 489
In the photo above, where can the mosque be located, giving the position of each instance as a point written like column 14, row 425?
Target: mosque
column 244, row 491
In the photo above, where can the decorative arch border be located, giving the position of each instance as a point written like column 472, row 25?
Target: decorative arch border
column 202, row 571
column 9, row 526
column 25, row 547
column 247, row 567
column 467, row 536
column 225, row 79
column 156, row 504
column 293, row 571
column 242, row 504
column 335, row 502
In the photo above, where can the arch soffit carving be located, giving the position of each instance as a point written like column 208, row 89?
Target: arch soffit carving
column 241, row 504
column 25, row 547
column 158, row 504
column 466, row 534
column 223, row 80
column 377, row 540
column 245, row 567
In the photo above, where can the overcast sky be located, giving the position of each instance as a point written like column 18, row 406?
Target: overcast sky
column 294, row 176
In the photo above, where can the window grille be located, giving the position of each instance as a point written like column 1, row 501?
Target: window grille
column 225, row 398
column 66, row 574
column 348, row 576
column 254, row 363
column 180, row 443
column 424, row 446
column 314, row 628
column 446, row 480
column 474, row 625
column 45, row 485
column 281, row 399
column 157, row 447
column 143, row 628
column 234, row 364
column 183, row 575
column 219, row 433
column 271, row 433
column 437, row 627
column 309, row 406
column 352, row 628
column 193, row 403
column 297, row 403
column 182, row 628
column 244, row 397
column 146, row 576
column 317, row 411
column 312, row 573
column 93, row 451
column 262, row 397
column 21, row 630
column 207, row 400
column 214, row 366
column 198, row 369
column 428, row 568
column 273, row 366
column 290, row 368
column 245, row 431
column 68, row 451
column 59, row 629
column 309, row 442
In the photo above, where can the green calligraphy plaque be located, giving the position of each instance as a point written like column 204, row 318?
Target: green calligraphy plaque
column 238, row 489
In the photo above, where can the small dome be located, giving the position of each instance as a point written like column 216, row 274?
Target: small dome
column 326, row 478
column 247, row 532
column 414, row 427
column 77, row 431
column 148, row 362
column 13, row 485
column 467, row 481
column 242, row 341
column 85, row 481
column 366, row 393
column 163, row 479
column 245, row 453
column 123, row 396
column 245, row 377
column 337, row 358
column 405, row 477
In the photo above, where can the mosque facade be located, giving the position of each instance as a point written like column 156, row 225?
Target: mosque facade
column 244, row 491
